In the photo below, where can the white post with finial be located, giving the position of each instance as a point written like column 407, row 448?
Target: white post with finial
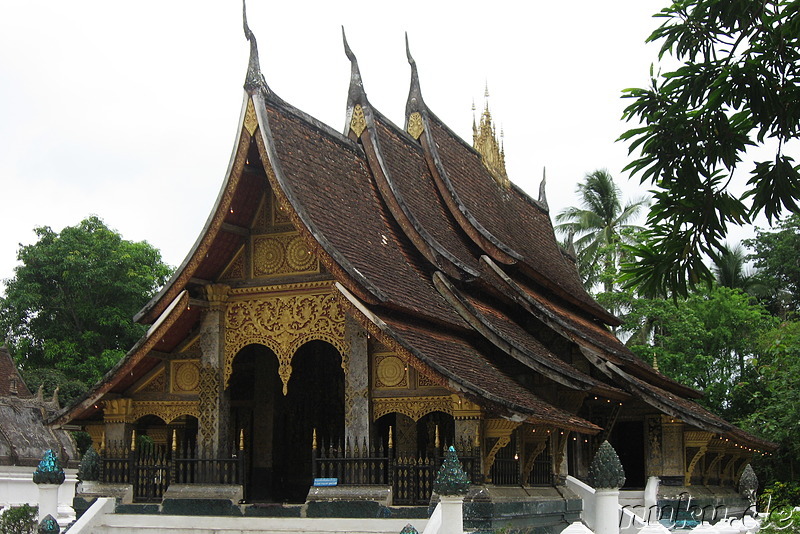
column 606, row 475
column 48, row 477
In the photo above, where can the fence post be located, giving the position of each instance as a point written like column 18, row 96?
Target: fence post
column 132, row 462
column 390, row 463
column 173, row 460
column 314, row 454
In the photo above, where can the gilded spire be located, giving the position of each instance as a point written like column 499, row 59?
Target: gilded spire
column 486, row 143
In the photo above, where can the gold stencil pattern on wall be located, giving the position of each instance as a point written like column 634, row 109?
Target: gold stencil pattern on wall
column 282, row 254
column 185, row 376
column 390, row 372
column 283, row 323
column 208, row 397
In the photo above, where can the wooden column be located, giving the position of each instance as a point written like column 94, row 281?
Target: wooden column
column 213, row 407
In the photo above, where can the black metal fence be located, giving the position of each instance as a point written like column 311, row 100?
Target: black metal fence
column 411, row 476
column 152, row 468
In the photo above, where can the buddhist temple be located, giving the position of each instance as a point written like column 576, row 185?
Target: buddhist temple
column 359, row 300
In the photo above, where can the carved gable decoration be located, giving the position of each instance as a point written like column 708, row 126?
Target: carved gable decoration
column 185, row 377
column 282, row 254
column 156, row 383
column 293, row 314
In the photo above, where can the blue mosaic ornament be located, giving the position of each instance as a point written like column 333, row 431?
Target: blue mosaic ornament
column 49, row 525
column 451, row 479
column 409, row 529
column 49, row 470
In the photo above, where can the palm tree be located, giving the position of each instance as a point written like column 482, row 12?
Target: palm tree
column 730, row 270
column 601, row 226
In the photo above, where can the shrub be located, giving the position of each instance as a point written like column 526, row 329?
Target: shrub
column 779, row 495
column 19, row 520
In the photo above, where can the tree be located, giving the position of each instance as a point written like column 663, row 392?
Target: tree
column 777, row 404
column 707, row 341
column 730, row 270
column 738, row 86
column 601, row 226
column 70, row 304
column 777, row 257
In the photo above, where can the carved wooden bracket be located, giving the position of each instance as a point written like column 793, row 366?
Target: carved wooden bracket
column 502, row 430
column 700, row 440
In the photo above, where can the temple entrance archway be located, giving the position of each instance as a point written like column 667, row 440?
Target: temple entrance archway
column 278, row 428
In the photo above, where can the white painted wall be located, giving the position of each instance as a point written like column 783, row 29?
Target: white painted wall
column 17, row 488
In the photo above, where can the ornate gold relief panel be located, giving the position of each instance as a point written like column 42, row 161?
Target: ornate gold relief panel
column 412, row 407
column 282, row 254
column 156, row 383
column 167, row 411
column 292, row 315
column 235, row 269
column 390, row 372
column 185, row 376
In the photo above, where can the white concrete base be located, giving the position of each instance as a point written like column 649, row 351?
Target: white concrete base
column 17, row 488
column 48, row 500
column 182, row 524
column 606, row 502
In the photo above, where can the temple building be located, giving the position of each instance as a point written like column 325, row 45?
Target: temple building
column 24, row 438
column 357, row 301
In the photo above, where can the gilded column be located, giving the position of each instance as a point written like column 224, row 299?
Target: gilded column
column 212, row 405
column 356, row 380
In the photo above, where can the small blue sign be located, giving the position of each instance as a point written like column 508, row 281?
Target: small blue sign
column 321, row 482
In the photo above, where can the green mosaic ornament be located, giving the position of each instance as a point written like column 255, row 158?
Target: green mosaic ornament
column 409, row 529
column 49, row 525
column 451, row 479
column 49, row 470
column 606, row 470
column 90, row 466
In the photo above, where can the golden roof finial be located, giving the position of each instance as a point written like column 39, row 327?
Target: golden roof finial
column 314, row 438
column 241, row 439
column 391, row 441
column 174, row 440
column 133, row 440
column 485, row 141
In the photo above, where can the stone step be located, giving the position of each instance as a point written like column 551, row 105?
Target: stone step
column 171, row 524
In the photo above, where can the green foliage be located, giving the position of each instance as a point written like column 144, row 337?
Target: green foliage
column 52, row 379
column 781, row 521
column 70, row 303
column 776, row 256
column 736, row 87
column 83, row 441
column 601, row 226
column 707, row 342
column 776, row 410
column 779, row 495
column 19, row 519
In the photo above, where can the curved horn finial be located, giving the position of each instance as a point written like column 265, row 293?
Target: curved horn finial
column 542, row 193
column 356, row 92
column 254, row 79
column 414, row 102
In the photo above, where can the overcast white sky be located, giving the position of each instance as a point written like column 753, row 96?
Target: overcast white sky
column 129, row 110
